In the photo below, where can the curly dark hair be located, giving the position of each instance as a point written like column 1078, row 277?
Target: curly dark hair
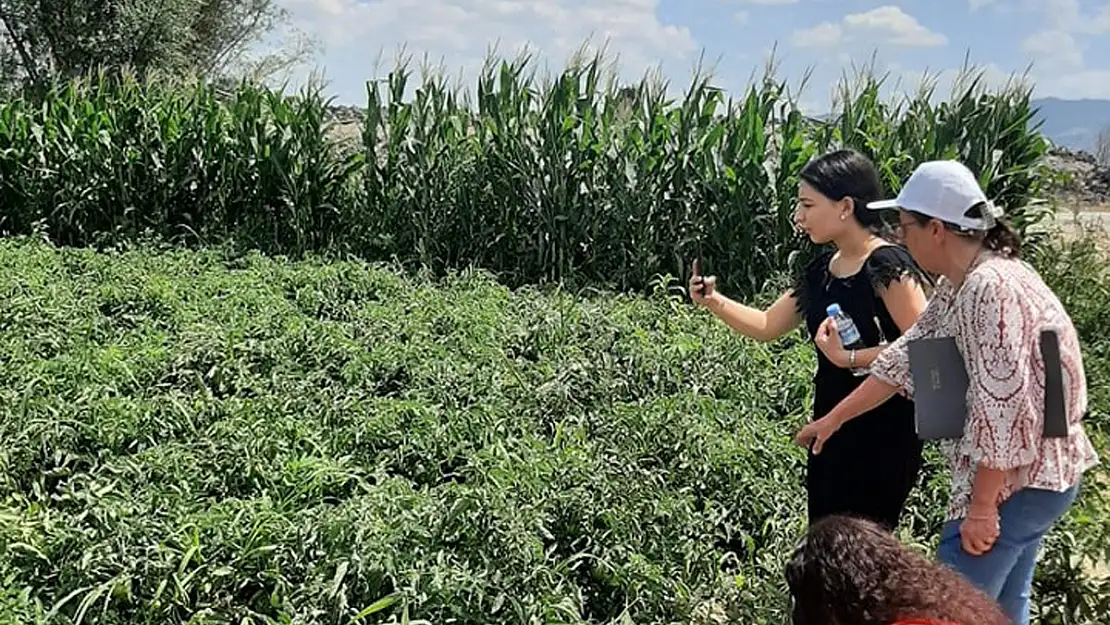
column 851, row 571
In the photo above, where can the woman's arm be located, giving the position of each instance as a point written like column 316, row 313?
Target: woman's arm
column 761, row 325
column 904, row 298
column 999, row 333
column 867, row 396
column 843, row 357
column 890, row 373
column 985, row 491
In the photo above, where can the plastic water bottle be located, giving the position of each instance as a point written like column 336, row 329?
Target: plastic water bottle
column 849, row 333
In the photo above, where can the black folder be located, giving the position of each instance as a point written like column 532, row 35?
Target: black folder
column 940, row 383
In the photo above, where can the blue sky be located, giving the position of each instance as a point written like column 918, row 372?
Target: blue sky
column 1066, row 41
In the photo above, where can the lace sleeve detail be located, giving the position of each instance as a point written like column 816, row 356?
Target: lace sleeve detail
column 891, row 263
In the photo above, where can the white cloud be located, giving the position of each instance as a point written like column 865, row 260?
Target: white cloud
column 459, row 33
column 898, row 26
column 1097, row 24
column 813, row 107
column 888, row 25
column 1053, row 49
column 463, row 31
column 1069, row 16
column 1061, row 13
column 1057, row 56
column 1089, row 83
column 824, row 35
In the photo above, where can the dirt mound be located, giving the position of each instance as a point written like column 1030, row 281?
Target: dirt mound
column 1084, row 181
column 345, row 114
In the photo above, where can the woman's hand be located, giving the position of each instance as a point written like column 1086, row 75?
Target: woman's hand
column 828, row 341
column 979, row 531
column 703, row 290
column 816, row 433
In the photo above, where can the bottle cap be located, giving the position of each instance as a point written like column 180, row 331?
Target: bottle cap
column 833, row 309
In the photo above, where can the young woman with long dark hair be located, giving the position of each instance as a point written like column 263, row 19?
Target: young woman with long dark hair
column 869, row 470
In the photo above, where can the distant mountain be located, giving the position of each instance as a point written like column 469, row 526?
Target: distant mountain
column 1074, row 124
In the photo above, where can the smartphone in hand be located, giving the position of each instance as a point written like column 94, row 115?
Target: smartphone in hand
column 697, row 280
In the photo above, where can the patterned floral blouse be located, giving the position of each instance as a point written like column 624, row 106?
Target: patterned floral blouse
column 997, row 317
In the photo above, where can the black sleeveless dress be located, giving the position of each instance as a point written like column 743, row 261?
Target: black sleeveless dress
column 869, row 466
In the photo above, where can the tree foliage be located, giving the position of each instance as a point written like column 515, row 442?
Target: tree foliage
column 45, row 39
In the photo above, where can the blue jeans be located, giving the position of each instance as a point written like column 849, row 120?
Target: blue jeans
column 1006, row 571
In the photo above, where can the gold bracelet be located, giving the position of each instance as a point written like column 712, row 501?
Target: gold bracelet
column 852, row 359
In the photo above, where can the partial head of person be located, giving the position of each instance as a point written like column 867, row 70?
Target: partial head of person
column 851, row 571
column 943, row 212
column 833, row 194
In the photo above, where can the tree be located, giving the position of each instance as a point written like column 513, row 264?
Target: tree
column 45, row 39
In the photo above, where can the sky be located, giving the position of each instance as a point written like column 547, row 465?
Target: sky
column 1063, row 46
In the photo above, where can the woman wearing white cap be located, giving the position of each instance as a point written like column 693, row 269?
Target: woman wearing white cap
column 1010, row 482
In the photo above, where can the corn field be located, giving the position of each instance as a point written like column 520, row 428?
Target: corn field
column 576, row 180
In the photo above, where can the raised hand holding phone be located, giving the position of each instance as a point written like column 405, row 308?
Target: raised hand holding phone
column 701, row 288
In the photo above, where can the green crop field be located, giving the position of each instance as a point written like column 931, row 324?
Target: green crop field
column 195, row 435
column 470, row 392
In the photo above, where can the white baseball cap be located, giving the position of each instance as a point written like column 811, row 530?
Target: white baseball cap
column 943, row 190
